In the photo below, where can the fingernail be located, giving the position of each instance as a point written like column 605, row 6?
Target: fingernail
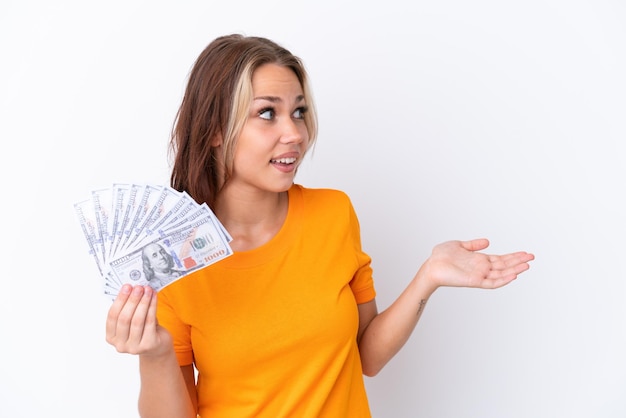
column 125, row 289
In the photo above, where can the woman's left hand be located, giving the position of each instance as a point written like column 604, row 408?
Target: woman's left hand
column 460, row 264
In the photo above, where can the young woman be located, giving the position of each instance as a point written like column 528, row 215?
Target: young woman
column 287, row 325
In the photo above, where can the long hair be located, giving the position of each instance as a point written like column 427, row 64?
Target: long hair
column 216, row 105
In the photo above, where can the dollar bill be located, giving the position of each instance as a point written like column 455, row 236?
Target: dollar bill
column 129, row 208
column 102, row 208
column 86, row 218
column 149, row 197
column 183, row 204
column 119, row 200
column 178, row 253
column 167, row 200
column 149, row 235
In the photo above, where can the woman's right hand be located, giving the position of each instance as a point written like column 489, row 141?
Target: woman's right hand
column 131, row 325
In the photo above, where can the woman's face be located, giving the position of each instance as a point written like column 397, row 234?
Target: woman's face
column 275, row 138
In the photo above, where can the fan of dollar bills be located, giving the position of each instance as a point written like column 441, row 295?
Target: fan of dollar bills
column 149, row 235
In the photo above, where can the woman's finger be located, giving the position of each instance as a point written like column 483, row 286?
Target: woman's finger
column 139, row 323
column 502, row 262
column 114, row 312
column 475, row 244
column 125, row 317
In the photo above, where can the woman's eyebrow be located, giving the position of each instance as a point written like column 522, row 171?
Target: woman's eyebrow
column 276, row 99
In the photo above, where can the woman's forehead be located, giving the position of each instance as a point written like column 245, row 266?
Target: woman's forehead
column 271, row 80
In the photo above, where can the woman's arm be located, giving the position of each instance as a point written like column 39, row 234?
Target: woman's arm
column 454, row 263
column 167, row 390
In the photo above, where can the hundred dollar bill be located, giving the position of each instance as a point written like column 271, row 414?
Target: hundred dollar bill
column 129, row 208
column 180, row 207
column 154, row 232
column 86, row 218
column 188, row 206
column 164, row 202
column 102, row 208
column 149, row 196
column 119, row 199
column 173, row 256
column 199, row 211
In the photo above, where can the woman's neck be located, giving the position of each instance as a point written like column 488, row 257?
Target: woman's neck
column 252, row 219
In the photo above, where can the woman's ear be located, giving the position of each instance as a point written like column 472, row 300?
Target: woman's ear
column 217, row 140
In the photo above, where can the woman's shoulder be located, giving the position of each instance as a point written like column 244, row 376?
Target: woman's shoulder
column 321, row 193
column 322, row 212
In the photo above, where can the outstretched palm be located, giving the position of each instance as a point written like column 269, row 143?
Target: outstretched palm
column 460, row 264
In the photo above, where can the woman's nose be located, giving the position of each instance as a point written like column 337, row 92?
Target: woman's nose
column 294, row 131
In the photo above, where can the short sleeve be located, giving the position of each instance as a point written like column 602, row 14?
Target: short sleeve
column 362, row 283
column 180, row 332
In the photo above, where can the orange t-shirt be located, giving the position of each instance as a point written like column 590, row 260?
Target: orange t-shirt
column 272, row 331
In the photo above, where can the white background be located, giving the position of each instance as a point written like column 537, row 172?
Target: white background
column 442, row 120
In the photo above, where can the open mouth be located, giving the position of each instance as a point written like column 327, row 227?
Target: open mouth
column 283, row 161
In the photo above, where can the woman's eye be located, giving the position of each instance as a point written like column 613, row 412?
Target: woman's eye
column 267, row 114
column 299, row 113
